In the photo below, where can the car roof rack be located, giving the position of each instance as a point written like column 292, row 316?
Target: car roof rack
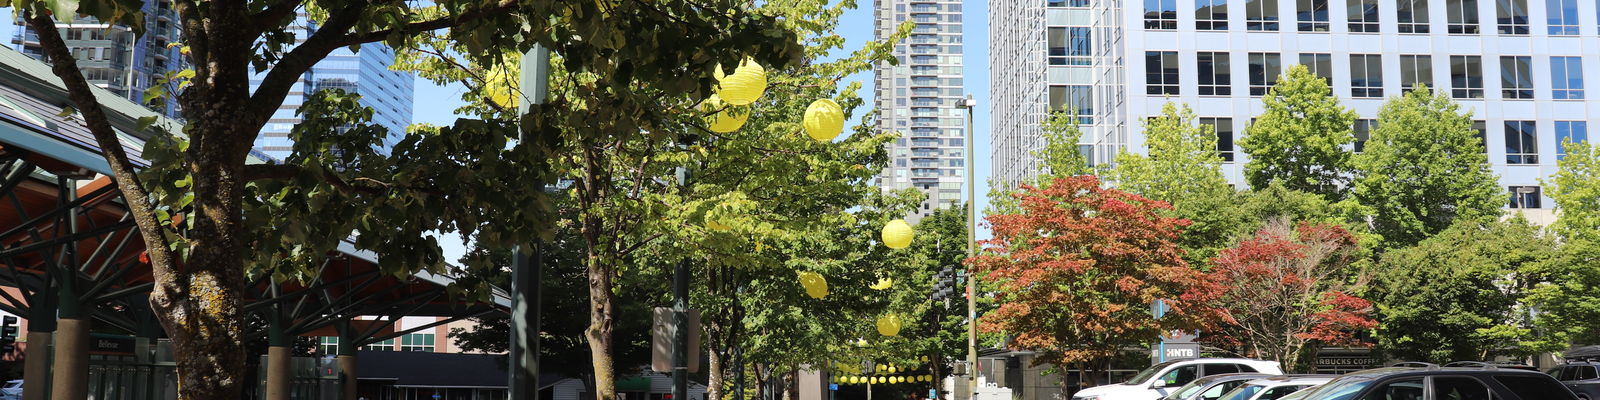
column 1415, row 364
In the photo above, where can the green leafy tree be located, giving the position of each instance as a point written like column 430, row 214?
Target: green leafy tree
column 1569, row 302
column 1300, row 138
column 1575, row 187
column 1183, row 168
column 1423, row 170
column 1463, row 294
column 446, row 179
column 1060, row 154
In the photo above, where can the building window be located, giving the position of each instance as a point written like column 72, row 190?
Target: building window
column 1524, row 196
column 1466, row 77
column 1462, row 16
column 1261, row 15
column 385, row 345
column 1224, row 129
column 1366, row 75
column 1074, row 99
column 1412, row 15
column 1264, row 69
column 1216, row 78
column 1512, row 15
column 1415, row 70
column 1319, row 65
column 1522, row 143
column 1483, row 134
column 1160, row 14
column 1161, row 72
column 1566, row 78
column 417, row 342
column 1069, row 46
column 1363, row 131
column 328, row 345
column 1211, row 15
column 1312, row 15
column 1363, row 15
column 1516, row 77
column 1575, row 131
column 1562, row 16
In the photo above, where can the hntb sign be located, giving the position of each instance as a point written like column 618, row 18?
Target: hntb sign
column 1163, row 352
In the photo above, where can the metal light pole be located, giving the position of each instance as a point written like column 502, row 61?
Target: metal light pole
column 525, row 267
column 972, row 244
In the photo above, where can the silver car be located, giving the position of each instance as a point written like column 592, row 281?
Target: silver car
column 1212, row 387
column 1276, row 387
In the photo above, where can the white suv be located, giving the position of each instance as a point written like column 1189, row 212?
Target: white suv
column 1154, row 382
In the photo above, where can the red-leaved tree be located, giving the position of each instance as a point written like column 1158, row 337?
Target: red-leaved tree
column 1078, row 269
column 1284, row 288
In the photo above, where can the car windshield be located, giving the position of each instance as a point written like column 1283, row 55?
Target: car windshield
column 1148, row 372
column 1339, row 389
column 1188, row 390
column 1243, row 392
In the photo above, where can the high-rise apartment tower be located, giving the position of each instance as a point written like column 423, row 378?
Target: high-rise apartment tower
column 920, row 99
column 112, row 57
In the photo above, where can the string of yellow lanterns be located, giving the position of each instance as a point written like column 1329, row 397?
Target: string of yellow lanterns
column 824, row 120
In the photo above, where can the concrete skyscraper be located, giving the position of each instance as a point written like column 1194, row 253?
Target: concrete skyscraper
column 920, row 99
column 364, row 71
column 112, row 57
column 1520, row 66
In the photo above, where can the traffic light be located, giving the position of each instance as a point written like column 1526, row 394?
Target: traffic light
column 944, row 284
column 8, row 334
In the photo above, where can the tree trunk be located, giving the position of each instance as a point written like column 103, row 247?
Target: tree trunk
column 602, row 303
column 714, row 377
column 791, row 384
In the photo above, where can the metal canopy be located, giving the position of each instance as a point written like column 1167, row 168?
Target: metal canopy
column 60, row 215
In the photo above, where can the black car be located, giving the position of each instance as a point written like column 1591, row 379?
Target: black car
column 1439, row 383
column 1583, row 378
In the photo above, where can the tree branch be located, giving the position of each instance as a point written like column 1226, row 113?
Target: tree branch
column 122, row 170
column 429, row 25
column 274, row 14
column 276, row 84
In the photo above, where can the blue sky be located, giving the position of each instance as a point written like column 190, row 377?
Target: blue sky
column 435, row 104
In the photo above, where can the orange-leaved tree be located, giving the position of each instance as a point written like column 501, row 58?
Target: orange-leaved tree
column 1078, row 268
column 1286, row 287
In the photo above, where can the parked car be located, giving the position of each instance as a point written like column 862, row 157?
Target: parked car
column 1162, row 379
column 12, row 390
column 1276, row 387
column 1438, row 383
column 1212, row 387
column 1583, row 378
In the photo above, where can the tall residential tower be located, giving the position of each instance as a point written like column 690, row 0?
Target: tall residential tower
column 112, row 57
column 1520, row 67
column 364, row 71
column 921, row 100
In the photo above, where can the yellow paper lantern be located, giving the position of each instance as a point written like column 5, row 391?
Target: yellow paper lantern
column 815, row 285
column 824, row 120
column 899, row 379
column 889, row 325
column 924, row 358
column 897, row 234
column 882, row 367
column 892, row 369
column 882, row 284
column 726, row 118
column 855, row 379
column 744, row 85
column 927, row 378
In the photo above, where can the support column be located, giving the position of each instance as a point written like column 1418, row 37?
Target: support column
column 278, row 356
column 346, row 361
column 41, row 329
column 70, row 372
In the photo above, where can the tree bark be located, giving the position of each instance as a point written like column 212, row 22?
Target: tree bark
column 714, row 377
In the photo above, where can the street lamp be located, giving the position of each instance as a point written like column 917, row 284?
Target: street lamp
column 972, row 224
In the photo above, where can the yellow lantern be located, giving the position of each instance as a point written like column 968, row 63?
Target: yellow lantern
column 889, row 325
column 882, row 284
column 924, row 359
column 815, row 285
column 855, row 379
column 727, row 118
column 824, row 120
column 744, row 85
column 897, row 234
column 882, row 367
column 899, row 379
column 892, row 369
